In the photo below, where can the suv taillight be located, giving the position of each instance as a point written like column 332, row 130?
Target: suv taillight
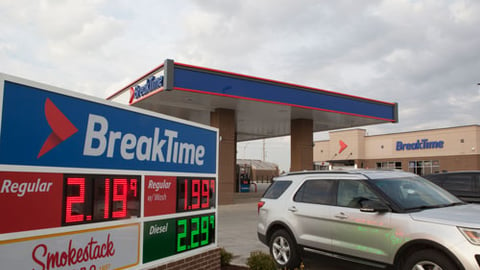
column 260, row 205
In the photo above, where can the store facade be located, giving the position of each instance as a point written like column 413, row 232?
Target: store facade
column 422, row 152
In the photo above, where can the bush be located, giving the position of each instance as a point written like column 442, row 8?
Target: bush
column 261, row 261
column 225, row 257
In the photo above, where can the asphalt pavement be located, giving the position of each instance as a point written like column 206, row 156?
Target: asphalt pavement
column 237, row 234
column 237, row 225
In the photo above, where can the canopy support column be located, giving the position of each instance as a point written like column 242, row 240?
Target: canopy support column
column 224, row 120
column 301, row 145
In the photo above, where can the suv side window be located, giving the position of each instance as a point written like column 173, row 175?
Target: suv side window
column 351, row 193
column 459, row 182
column 316, row 191
column 276, row 189
column 437, row 179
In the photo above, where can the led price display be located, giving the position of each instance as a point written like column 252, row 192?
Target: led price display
column 194, row 232
column 97, row 198
column 195, row 194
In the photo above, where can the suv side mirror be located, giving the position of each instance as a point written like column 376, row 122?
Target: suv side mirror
column 371, row 206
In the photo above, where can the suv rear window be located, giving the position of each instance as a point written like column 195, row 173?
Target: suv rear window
column 459, row 182
column 316, row 191
column 276, row 189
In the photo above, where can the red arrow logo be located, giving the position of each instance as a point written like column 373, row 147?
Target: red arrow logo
column 343, row 146
column 132, row 95
column 61, row 127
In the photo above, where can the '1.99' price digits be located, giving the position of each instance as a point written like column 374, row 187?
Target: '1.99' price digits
column 195, row 194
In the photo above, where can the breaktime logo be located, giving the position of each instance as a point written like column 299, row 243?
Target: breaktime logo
column 62, row 128
column 102, row 141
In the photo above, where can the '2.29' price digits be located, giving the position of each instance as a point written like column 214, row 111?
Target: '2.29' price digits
column 194, row 232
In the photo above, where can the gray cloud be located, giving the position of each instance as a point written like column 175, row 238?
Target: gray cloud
column 421, row 54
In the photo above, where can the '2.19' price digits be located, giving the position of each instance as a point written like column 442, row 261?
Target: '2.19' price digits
column 195, row 232
column 195, row 194
column 97, row 198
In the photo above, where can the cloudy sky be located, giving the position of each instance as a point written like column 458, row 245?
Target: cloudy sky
column 425, row 55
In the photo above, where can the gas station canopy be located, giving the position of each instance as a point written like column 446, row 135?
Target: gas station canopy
column 263, row 108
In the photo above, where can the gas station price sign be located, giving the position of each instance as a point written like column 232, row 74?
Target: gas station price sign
column 83, row 176
column 177, row 235
column 55, row 200
column 30, row 200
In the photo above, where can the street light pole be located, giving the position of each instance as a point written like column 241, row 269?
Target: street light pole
column 245, row 150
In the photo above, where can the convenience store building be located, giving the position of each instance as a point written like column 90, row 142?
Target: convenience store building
column 421, row 152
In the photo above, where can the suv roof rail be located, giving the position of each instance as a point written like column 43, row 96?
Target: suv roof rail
column 316, row 171
column 342, row 171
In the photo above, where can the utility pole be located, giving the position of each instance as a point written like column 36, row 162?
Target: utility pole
column 263, row 153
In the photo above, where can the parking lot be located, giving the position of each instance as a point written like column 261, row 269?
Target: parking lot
column 238, row 235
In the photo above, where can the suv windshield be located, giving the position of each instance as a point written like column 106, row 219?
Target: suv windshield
column 413, row 193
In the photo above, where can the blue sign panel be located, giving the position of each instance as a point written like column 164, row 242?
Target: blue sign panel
column 227, row 85
column 44, row 128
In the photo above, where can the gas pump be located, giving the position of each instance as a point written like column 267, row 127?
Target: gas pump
column 244, row 179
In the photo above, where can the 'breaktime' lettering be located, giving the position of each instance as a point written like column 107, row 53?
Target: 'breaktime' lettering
column 99, row 140
column 419, row 145
column 151, row 84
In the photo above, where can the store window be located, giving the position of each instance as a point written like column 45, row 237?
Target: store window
column 423, row 167
column 389, row 165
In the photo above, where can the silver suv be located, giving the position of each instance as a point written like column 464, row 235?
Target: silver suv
column 379, row 218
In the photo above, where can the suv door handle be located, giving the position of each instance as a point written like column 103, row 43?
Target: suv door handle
column 292, row 209
column 341, row 215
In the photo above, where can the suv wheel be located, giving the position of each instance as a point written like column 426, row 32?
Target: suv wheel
column 284, row 249
column 428, row 259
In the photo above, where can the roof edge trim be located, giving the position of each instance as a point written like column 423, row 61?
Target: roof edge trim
column 211, row 70
column 282, row 103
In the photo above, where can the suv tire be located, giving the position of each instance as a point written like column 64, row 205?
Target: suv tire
column 284, row 250
column 428, row 259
